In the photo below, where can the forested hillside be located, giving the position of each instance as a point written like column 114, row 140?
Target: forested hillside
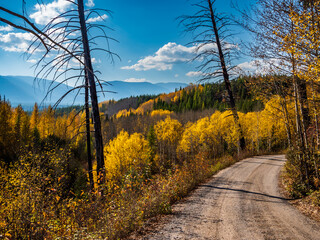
column 209, row 96
column 151, row 160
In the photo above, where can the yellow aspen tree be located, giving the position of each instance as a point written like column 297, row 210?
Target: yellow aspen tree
column 168, row 133
column 229, row 130
column 127, row 155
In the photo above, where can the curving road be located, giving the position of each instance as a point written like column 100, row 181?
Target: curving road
column 240, row 202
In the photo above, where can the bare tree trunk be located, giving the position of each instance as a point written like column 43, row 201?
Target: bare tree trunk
column 300, row 136
column 316, row 121
column 286, row 120
column 317, row 128
column 93, row 94
column 89, row 155
column 226, row 77
column 303, row 103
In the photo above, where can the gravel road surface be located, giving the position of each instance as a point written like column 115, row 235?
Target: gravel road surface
column 240, row 202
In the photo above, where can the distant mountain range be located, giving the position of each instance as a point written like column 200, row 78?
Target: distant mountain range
column 128, row 89
column 25, row 91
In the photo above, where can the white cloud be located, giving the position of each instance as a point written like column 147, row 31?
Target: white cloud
column 135, row 80
column 248, row 65
column 261, row 67
column 97, row 19
column 194, row 74
column 22, row 47
column 15, row 42
column 32, row 61
column 176, row 75
column 168, row 55
column 7, row 28
column 90, row 3
column 250, row 68
column 164, row 58
column 13, row 37
column 46, row 12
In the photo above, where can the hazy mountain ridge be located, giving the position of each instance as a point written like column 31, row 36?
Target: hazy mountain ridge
column 26, row 91
column 23, row 90
column 123, row 89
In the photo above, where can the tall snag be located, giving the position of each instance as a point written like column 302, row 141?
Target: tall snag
column 226, row 76
column 88, row 140
column 93, row 93
column 214, row 49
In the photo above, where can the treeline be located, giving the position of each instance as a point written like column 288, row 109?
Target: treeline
column 197, row 98
column 60, row 111
column 111, row 107
column 211, row 95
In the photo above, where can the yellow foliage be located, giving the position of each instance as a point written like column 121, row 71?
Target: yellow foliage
column 251, row 125
column 198, row 137
column 46, row 123
column 34, row 120
column 273, row 124
column 160, row 112
column 123, row 113
column 229, row 130
column 147, row 106
column 30, row 194
column 124, row 153
column 168, row 130
column 176, row 98
column 61, row 127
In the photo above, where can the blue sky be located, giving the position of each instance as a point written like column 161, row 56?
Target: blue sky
column 151, row 45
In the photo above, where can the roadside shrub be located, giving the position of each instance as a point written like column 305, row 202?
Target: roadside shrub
column 302, row 173
column 33, row 188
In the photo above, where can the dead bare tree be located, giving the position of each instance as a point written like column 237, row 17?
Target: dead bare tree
column 215, row 50
column 88, row 138
column 67, row 38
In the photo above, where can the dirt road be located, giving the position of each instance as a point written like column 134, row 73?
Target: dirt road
column 240, row 202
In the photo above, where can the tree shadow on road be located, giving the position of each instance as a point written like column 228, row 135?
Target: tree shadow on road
column 245, row 191
column 270, row 158
column 264, row 163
